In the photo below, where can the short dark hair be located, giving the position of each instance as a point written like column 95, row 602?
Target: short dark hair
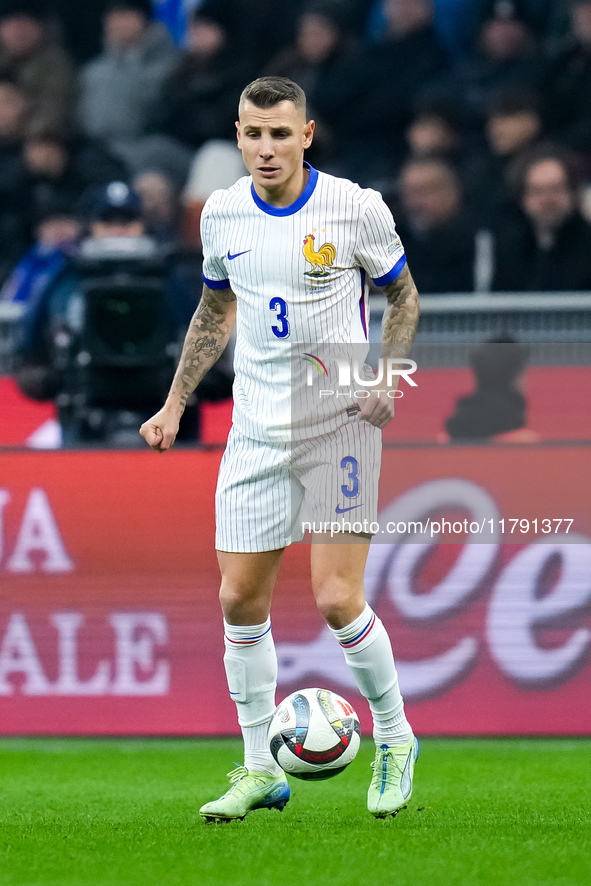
column 439, row 108
column 266, row 92
column 142, row 7
column 438, row 163
column 519, row 170
column 36, row 9
column 509, row 102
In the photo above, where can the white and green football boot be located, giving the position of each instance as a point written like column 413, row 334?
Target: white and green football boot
column 250, row 790
column 391, row 783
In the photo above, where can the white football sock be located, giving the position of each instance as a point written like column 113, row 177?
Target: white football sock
column 251, row 670
column 368, row 653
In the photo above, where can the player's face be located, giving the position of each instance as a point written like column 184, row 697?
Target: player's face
column 272, row 141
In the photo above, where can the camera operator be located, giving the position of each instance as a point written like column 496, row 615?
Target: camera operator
column 101, row 338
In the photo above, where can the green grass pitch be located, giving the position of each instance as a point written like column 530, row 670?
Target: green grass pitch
column 124, row 812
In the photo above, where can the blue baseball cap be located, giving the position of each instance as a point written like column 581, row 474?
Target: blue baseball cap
column 115, row 201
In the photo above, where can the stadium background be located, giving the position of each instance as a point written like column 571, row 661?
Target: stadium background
column 108, row 612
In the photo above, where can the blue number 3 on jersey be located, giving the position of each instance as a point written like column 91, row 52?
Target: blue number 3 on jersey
column 280, row 306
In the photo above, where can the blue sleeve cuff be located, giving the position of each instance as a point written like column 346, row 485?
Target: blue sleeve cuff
column 216, row 284
column 391, row 275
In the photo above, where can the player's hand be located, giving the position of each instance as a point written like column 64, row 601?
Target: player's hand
column 160, row 431
column 377, row 409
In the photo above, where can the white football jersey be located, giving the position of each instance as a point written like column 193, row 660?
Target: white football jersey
column 299, row 274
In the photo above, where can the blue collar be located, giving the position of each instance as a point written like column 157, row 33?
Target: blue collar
column 296, row 205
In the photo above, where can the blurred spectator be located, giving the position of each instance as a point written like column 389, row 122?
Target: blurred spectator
column 316, row 60
column 81, row 26
column 57, row 231
column 548, row 247
column 567, row 84
column 506, row 56
column 437, row 233
column 264, row 27
column 497, row 408
column 50, row 174
column 457, row 24
column 513, row 122
column 218, row 164
column 513, row 126
column 59, row 169
column 542, row 16
column 586, row 202
column 436, row 133
column 31, row 55
column 14, row 231
column 458, row 21
column 120, row 90
column 200, row 98
column 94, row 162
column 118, row 251
column 38, row 170
column 160, row 205
column 371, row 105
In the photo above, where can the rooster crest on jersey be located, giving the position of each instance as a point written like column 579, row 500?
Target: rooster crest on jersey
column 320, row 258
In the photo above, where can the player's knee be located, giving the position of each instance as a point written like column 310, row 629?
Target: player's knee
column 241, row 602
column 338, row 613
column 232, row 596
column 339, row 603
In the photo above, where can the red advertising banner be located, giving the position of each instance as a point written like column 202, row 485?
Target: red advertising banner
column 109, row 620
column 555, row 397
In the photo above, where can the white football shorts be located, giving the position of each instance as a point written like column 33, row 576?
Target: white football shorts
column 269, row 495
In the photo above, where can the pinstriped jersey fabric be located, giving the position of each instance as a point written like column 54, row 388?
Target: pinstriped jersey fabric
column 290, row 292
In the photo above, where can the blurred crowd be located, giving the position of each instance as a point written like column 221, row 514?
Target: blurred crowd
column 469, row 116
column 473, row 118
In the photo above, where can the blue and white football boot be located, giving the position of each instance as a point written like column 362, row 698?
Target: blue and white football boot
column 391, row 783
column 250, row 790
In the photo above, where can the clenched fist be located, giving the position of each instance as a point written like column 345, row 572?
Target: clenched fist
column 160, row 431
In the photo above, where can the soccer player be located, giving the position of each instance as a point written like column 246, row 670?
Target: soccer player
column 286, row 254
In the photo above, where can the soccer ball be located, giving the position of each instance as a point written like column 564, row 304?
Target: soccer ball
column 314, row 734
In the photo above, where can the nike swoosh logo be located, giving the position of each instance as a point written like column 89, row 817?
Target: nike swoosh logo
column 405, row 781
column 236, row 254
column 339, row 510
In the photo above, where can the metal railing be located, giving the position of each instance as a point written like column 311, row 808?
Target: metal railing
column 556, row 324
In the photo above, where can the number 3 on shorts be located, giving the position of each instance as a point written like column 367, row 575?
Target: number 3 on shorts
column 280, row 306
column 352, row 465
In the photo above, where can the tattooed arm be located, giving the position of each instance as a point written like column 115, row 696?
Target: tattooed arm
column 206, row 338
column 401, row 316
column 398, row 331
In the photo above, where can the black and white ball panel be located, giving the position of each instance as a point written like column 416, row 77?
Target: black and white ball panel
column 314, row 734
